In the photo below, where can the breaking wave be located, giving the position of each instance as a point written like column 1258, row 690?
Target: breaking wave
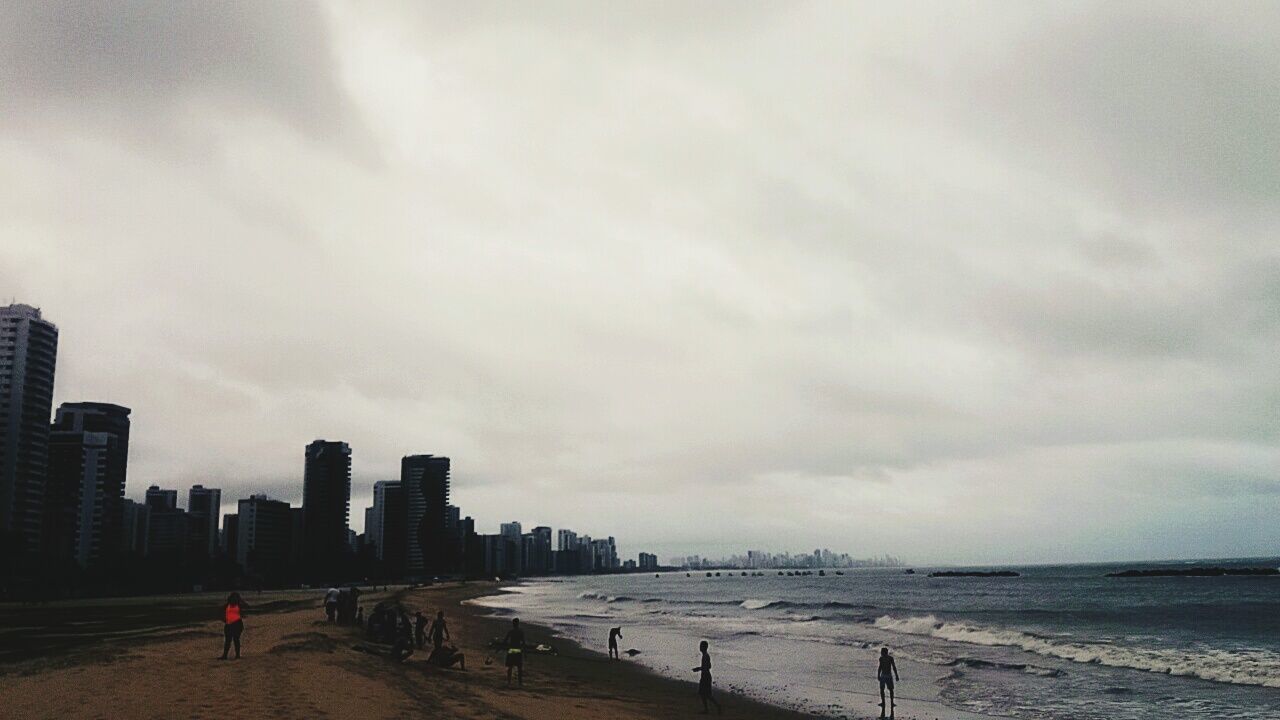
column 1239, row 667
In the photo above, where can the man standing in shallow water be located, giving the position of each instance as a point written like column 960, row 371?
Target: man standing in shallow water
column 886, row 673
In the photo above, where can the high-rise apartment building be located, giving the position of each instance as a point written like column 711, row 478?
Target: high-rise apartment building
column 326, row 500
column 388, row 529
column 204, row 505
column 264, row 536
column 431, row 549
column 88, row 459
column 28, row 353
column 566, row 540
column 158, row 499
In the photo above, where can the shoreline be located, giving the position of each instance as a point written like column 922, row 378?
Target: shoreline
column 297, row 666
column 908, row 708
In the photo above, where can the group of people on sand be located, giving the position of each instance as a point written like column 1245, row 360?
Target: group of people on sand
column 390, row 623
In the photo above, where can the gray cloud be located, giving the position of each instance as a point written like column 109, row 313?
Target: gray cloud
column 990, row 284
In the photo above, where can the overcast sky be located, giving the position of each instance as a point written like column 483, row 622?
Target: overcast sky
column 960, row 282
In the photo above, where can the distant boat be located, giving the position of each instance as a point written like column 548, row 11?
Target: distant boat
column 744, row 574
column 717, row 574
column 708, row 574
column 910, row 572
column 687, row 575
column 822, row 573
column 779, row 573
column 655, row 574
column 839, row 572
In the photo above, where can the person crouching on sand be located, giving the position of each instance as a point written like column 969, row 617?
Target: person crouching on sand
column 232, row 626
column 515, row 652
column 704, row 681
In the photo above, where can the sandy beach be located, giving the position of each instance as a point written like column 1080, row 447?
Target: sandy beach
column 159, row 663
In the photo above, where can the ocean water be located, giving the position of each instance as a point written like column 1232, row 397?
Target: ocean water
column 1058, row 642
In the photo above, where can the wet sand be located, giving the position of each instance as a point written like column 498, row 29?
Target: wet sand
column 160, row 660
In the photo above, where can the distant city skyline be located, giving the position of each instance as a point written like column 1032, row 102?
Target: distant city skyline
column 961, row 283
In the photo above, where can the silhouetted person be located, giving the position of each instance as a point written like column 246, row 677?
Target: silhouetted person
column 447, row 656
column 419, row 629
column 439, row 631
column 402, row 647
column 886, row 673
column 233, row 625
column 614, row 635
column 515, row 652
column 360, row 616
column 704, row 681
column 331, row 604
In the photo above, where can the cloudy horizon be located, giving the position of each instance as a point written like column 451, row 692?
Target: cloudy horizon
column 964, row 284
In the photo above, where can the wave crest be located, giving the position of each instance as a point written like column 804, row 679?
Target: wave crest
column 1241, row 667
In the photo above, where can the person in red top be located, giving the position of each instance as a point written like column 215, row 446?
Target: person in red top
column 233, row 625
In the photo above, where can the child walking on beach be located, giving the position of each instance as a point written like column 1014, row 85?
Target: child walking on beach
column 232, row 626
column 704, row 681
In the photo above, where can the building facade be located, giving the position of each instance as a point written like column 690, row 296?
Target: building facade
column 432, row 550
column 205, row 507
column 88, row 457
column 264, row 536
column 28, row 354
column 326, row 500
column 388, row 528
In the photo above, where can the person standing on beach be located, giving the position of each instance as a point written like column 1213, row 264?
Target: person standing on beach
column 439, row 631
column 515, row 652
column 419, row 629
column 886, row 673
column 614, row 635
column 233, row 625
column 331, row 604
column 704, row 680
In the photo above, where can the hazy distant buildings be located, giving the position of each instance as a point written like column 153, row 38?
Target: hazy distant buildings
column 28, row 354
column 647, row 561
column 566, row 540
column 326, row 499
column 204, row 505
column 88, row 455
column 432, row 549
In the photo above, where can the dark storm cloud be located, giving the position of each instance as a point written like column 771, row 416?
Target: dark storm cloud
column 141, row 65
column 980, row 283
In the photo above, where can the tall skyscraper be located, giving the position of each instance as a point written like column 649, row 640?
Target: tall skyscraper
column 28, row 353
column 326, row 500
column 567, row 540
column 205, row 507
column 425, row 480
column 84, row 490
column 388, row 530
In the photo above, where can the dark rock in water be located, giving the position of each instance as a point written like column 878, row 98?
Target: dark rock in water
column 1194, row 572
column 963, row 573
column 822, row 573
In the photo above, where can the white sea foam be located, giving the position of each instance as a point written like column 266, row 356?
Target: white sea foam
column 1239, row 667
column 755, row 604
